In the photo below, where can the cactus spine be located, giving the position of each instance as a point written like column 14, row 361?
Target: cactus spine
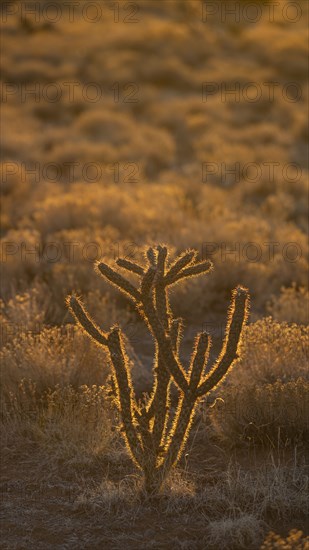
column 153, row 446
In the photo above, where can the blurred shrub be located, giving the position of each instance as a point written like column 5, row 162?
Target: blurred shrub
column 296, row 540
column 292, row 305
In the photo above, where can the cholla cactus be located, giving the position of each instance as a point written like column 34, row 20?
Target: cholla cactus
column 155, row 435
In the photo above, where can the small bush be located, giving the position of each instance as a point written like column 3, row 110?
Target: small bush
column 266, row 398
column 58, row 420
column 272, row 351
column 268, row 414
column 292, row 305
column 55, row 356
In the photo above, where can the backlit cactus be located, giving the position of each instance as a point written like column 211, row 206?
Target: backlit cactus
column 155, row 434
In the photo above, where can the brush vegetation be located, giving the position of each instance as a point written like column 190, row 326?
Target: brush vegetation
column 87, row 181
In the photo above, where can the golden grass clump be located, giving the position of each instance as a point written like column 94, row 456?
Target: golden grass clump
column 295, row 540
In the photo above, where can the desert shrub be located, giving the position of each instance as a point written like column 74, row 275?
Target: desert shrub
column 19, row 260
column 272, row 351
column 24, row 313
column 54, row 356
column 58, row 421
column 265, row 400
column 268, row 414
column 292, row 305
column 295, row 540
column 99, row 213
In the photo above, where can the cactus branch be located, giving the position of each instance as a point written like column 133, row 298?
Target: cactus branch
column 125, row 393
column 84, row 320
column 185, row 259
column 191, row 271
column 164, row 343
column 238, row 315
column 119, row 281
column 147, row 282
column 199, row 358
column 130, row 266
column 179, row 433
column 150, row 254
